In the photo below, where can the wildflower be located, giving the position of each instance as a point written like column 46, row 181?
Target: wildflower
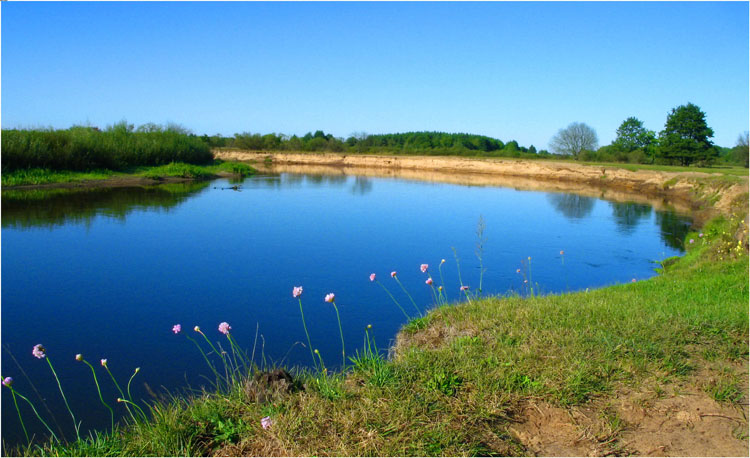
column 423, row 268
column 120, row 400
column 224, row 327
column 104, row 362
column 464, row 288
column 197, row 329
column 177, row 328
column 393, row 274
column 692, row 241
column 429, row 281
column 297, row 291
column 265, row 422
column 562, row 252
column 79, row 357
column 372, row 277
column 440, row 288
column 525, row 281
column 39, row 351
column 700, row 235
column 369, row 326
column 137, row 369
column 633, row 280
column 330, row 297
column 8, row 381
column 518, row 271
column 442, row 261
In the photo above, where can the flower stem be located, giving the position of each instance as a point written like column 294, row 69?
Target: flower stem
column 37, row 414
column 409, row 295
column 343, row 353
column 394, row 300
column 75, row 423
column 98, row 390
column 13, row 392
column 309, row 345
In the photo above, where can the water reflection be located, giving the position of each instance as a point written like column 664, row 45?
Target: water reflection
column 674, row 228
column 627, row 215
column 57, row 207
column 572, row 206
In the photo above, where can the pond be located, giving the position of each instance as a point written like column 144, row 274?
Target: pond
column 107, row 273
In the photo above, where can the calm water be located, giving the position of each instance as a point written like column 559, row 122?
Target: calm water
column 107, row 273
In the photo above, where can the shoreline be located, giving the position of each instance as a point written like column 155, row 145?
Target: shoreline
column 703, row 194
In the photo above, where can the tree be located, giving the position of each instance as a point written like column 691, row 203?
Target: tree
column 740, row 154
column 574, row 139
column 631, row 135
column 685, row 137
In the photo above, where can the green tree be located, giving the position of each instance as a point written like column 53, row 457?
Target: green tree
column 685, row 137
column 631, row 135
column 740, row 154
column 574, row 139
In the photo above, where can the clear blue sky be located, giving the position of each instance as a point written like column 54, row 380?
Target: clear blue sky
column 508, row 70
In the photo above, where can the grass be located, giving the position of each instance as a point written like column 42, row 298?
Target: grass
column 458, row 375
column 175, row 169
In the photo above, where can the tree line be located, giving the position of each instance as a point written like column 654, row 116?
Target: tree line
column 430, row 143
column 685, row 140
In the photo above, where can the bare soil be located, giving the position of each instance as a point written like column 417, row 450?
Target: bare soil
column 686, row 421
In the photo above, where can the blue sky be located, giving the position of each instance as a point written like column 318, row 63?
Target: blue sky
column 508, row 70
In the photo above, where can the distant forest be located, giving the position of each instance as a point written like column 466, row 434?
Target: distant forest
column 435, row 143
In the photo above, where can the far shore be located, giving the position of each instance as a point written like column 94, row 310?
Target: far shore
column 703, row 194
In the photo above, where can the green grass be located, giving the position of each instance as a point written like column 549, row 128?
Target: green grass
column 459, row 374
column 45, row 176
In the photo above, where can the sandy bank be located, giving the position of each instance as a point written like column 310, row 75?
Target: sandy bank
column 701, row 193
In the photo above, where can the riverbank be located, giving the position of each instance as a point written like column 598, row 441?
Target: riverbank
column 656, row 367
column 135, row 176
column 701, row 192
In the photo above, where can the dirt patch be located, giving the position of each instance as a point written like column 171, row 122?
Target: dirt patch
column 662, row 190
column 685, row 422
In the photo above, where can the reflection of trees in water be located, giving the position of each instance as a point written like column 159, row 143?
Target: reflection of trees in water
column 362, row 185
column 572, row 206
column 56, row 207
column 673, row 228
column 320, row 179
column 627, row 215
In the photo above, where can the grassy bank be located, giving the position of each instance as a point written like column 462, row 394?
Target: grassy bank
column 37, row 176
column 459, row 378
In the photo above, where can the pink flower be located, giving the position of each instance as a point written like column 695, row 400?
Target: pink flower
column 428, row 281
column 692, row 241
column 104, row 362
column 224, row 327
column 372, row 277
column 700, row 235
column 423, row 267
column 633, row 280
column 39, row 351
column 8, row 381
column 266, row 422
column 177, row 328
column 562, row 252
column 297, row 291
column 330, row 297
column 393, row 274
column 464, row 288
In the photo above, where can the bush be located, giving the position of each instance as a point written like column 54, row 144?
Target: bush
column 88, row 148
